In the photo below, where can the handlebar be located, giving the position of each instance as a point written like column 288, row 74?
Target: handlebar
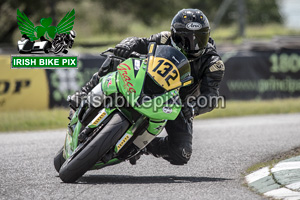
column 111, row 54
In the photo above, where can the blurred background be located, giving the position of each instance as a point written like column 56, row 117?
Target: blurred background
column 259, row 41
column 100, row 22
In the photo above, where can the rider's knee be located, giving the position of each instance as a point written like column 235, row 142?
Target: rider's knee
column 180, row 155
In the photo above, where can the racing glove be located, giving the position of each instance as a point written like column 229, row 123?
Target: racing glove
column 188, row 110
column 127, row 46
column 122, row 50
column 198, row 105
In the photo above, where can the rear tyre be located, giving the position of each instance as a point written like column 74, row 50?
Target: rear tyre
column 59, row 159
column 84, row 160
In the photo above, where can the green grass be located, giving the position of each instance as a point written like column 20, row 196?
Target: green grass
column 229, row 34
column 33, row 119
column 255, row 107
column 57, row 118
column 223, row 34
column 273, row 160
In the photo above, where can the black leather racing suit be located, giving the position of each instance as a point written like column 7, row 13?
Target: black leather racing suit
column 207, row 70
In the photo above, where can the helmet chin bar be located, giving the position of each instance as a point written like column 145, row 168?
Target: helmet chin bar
column 191, row 56
column 197, row 54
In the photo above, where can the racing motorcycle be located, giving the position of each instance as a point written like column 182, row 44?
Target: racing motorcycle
column 62, row 42
column 101, row 134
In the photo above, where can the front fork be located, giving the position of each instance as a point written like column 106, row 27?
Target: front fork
column 75, row 129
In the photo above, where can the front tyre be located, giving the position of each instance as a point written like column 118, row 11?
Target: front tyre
column 80, row 163
column 59, row 159
column 58, row 48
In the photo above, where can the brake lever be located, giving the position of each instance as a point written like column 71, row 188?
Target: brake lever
column 112, row 55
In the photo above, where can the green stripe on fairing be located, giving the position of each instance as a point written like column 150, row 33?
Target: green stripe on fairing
column 75, row 135
column 74, row 118
column 109, row 83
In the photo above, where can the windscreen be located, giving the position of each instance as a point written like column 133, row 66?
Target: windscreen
column 168, row 67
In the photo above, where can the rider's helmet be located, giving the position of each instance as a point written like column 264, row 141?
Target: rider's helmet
column 72, row 34
column 190, row 32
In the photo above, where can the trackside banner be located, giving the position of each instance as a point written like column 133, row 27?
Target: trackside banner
column 22, row 89
column 64, row 82
column 43, row 88
column 261, row 74
column 248, row 75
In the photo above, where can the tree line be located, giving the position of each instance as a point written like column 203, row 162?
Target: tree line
column 148, row 12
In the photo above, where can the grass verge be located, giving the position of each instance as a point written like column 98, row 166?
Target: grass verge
column 254, row 107
column 274, row 160
column 33, row 119
column 221, row 35
column 57, row 118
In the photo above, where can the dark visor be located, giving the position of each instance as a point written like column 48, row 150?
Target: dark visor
column 191, row 42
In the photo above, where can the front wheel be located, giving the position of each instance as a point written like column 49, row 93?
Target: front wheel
column 58, row 48
column 59, row 159
column 85, row 159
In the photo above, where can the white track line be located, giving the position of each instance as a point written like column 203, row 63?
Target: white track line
column 285, row 166
column 258, row 175
column 294, row 186
column 283, row 193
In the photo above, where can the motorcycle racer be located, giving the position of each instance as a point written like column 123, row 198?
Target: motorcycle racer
column 190, row 33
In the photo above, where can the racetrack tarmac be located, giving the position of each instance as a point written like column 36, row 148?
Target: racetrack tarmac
column 222, row 150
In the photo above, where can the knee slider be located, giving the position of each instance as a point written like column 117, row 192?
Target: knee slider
column 181, row 155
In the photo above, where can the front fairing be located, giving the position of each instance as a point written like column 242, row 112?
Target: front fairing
column 130, row 81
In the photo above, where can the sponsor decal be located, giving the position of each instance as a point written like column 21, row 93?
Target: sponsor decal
column 22, row 89
column 167, row 110
column 174, row 58
column 165, row 35
column 137, row 64
column 158, row 128
column 123, row 141
column 185, row 154
column 218, row 66
column 98, row 120
column 122, row 69
column 151, row 48
column 193, row 26
column 109, row 83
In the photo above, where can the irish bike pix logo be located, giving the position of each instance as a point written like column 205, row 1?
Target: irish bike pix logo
column 45, row 45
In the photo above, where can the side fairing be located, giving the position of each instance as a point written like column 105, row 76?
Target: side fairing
column 131, row 75
column 109, row 83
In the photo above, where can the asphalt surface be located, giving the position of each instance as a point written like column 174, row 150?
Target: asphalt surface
column 223, row 150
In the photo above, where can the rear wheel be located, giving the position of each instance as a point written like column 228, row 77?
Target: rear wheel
column 94, row 151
